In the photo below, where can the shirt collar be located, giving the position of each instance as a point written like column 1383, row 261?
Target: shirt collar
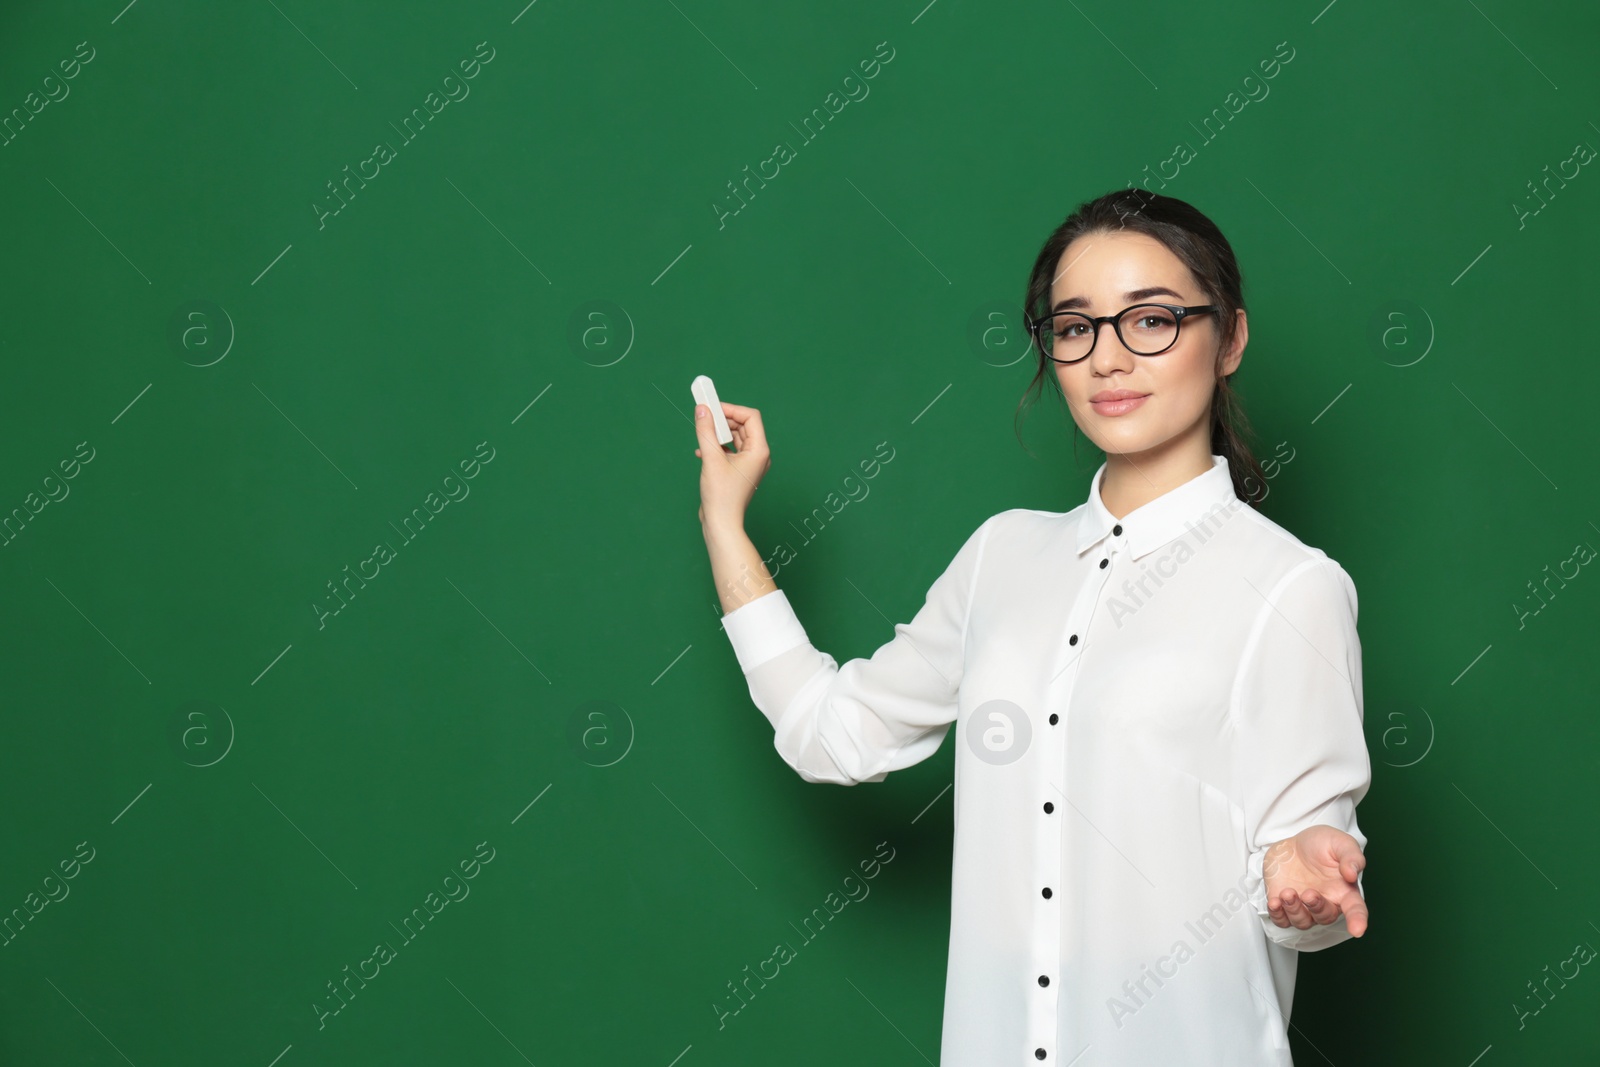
column 1163, row 519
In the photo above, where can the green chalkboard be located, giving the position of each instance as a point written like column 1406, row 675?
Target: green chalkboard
column 367, row 695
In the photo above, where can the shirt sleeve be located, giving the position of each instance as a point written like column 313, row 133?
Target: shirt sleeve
column 1300, row 755
column 857, row 722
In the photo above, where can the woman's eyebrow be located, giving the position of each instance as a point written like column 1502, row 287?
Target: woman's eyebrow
column 1132, row 297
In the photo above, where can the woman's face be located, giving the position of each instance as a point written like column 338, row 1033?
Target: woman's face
column 1103, row 273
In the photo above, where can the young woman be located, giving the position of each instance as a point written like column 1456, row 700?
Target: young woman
column 1157, row 694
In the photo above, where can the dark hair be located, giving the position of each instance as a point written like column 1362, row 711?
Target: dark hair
column 1195, row 240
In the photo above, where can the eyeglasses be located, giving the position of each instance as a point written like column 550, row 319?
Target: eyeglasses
column 1144, row 329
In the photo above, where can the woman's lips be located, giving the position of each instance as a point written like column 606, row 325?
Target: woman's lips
column 1118, row 407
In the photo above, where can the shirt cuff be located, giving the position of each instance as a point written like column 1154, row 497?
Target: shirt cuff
column 765, row 627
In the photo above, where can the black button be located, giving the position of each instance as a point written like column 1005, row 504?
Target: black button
column 1048, row 807
column 1103, row 563
column 1047, row 893
column 1038, row 1053
column 1072, row 640
column 1044, row 979
column 1117, row 529
column 1053, row 718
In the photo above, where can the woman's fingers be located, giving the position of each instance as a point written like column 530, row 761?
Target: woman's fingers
column 1303, row 910
column 1323, row 910
column 749, row 435
column 1300, row 916
column 1295, row 912
column 748, row 432
column 733, row 411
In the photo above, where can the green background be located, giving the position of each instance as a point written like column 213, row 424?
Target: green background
column 541, row 272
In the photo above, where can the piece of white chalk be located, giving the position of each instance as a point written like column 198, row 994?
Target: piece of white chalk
column 706, row 393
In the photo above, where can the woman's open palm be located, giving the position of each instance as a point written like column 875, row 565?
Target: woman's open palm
column 1314, row 873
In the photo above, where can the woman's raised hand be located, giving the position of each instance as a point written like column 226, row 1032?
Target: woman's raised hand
column 728, row 479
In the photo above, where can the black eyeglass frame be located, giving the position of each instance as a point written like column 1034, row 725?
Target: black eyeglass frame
column 1179, row 313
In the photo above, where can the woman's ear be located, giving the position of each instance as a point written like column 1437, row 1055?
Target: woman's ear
column 1235, row 352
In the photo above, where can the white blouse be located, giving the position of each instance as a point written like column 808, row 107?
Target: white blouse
column 1141, row 708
